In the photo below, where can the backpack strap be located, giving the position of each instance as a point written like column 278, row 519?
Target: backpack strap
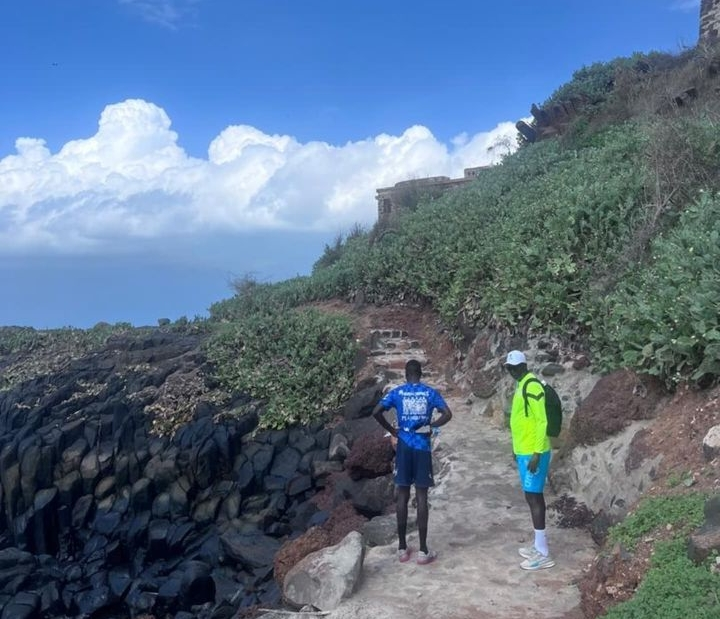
column 525, row 394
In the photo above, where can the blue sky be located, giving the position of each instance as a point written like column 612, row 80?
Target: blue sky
column 151, row 150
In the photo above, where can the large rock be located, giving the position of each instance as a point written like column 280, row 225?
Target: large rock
column 704, row 543
column 326, row 577
column 293, row 551
column 25, row 605
column 706, row 540
column 381, row 530
column 711, row 443
column 339, row 449
column 362, row 402
column 370, row 497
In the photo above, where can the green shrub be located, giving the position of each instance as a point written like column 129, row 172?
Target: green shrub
column 673, row 588
column 683, row 512
column 557, row 237
column 663, row 317
column 300, row 363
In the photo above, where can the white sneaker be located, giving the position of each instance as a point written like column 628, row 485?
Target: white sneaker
column 529, row 553
column 540, row 562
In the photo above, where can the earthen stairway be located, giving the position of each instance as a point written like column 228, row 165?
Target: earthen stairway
column 391, row 349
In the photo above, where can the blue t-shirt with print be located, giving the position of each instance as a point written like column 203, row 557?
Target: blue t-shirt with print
column 414, row 404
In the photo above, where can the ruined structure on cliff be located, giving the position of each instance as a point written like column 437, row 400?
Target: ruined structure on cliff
column 406, row 194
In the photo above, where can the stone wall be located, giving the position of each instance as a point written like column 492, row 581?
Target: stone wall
column 709, row 21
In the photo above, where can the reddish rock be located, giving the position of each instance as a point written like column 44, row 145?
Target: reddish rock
column 371, row 456
column 616, row 399
column 343, row 519
column 613, row 578
column 293, row 551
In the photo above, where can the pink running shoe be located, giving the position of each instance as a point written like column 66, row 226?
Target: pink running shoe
column 423, row 558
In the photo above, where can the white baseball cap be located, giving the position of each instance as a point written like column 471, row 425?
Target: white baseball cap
column 515, row 357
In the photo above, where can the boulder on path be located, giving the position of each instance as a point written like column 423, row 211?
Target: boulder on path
column 326, row 577
column 381, row 530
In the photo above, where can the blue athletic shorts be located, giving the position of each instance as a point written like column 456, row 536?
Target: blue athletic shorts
column 533, row 482
column 413, row 466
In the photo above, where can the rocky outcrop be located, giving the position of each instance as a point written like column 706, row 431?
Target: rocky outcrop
column 552, row 120
column 100, row 514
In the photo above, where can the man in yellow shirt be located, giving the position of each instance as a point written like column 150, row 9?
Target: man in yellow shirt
column 532, row 450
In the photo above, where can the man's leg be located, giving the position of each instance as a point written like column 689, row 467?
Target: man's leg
column 421, row 494
column 403, row 496
column 403, row 481
column 533, row 485
column 536, row 501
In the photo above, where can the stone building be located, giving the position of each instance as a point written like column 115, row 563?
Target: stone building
column 406, row 194
column 709, row 21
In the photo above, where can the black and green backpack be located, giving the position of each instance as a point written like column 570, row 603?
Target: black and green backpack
column 553, row 406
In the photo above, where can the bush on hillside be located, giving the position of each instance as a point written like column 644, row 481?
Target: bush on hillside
column 299, row 363
column 674, row 586
column 333, row 252
column 663, row 317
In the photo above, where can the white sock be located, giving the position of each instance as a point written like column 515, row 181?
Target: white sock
column 541, row 542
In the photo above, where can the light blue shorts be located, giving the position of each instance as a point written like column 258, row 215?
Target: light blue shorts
column 533, row 482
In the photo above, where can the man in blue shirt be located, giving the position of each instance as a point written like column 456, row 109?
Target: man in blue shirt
column 414, row 403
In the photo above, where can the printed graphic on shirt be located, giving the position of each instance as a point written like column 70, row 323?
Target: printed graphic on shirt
column 414, row 404
column 415, row 407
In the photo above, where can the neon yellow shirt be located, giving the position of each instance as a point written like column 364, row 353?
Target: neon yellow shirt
column 529, row 432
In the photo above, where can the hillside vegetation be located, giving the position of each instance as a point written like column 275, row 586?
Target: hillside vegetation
column 608, row 235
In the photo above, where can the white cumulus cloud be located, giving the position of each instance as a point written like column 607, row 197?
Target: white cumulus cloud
column 131, row 180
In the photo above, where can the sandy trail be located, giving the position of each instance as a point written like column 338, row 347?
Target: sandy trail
column 478, row 519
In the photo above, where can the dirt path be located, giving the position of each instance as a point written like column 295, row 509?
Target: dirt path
column 478, row 519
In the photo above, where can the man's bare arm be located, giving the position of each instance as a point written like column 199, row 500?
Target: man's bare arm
column 379, row 414
column 445, row 416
